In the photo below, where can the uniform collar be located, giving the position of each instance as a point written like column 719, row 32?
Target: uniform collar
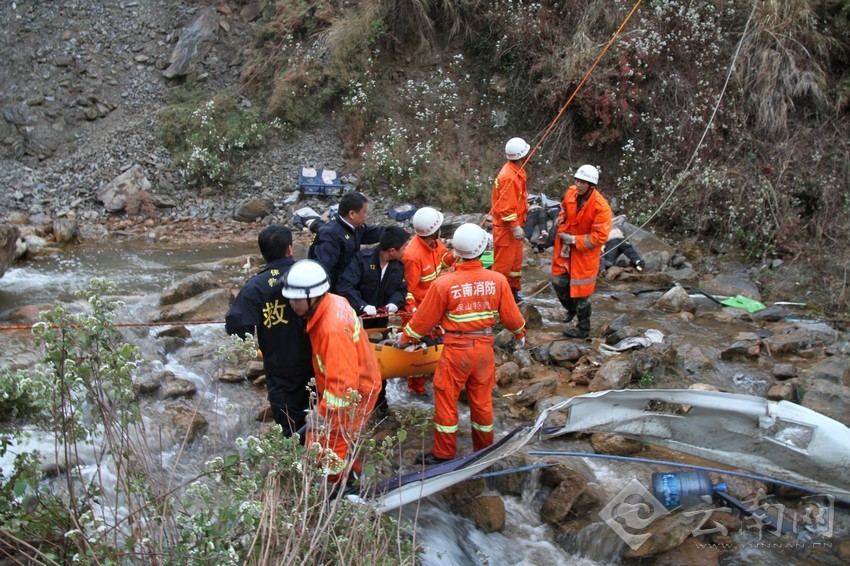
column 345, row 223
column 279, row 263
column 468, row 264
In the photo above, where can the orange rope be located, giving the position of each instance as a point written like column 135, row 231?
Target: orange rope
column 586, row 76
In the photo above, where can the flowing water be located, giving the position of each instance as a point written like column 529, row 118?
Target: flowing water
column 140, row 272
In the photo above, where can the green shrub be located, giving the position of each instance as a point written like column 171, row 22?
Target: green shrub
column 207, row 137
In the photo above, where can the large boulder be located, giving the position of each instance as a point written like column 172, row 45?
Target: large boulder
column 668, row 532
column 187, row 287
column 565, row 352
column 532, row 316
column 486, row 511
column 557, row 506
column 114, row 194
column 187, row 421
column 202, row 29
column 790, row 343
column 835, row 369
column 676, row 300
column 8, row 242
column 209, row 305
column 253, row 209
column 731, row 285
column 613, row 374
column 827, row 398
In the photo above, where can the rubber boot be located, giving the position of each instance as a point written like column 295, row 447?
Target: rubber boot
column 582, row 329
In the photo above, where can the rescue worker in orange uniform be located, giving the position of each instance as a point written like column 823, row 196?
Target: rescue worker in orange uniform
column 509, row 209
column 424, row 258
column 580, row 236
column 467, row 303
column 348, row 378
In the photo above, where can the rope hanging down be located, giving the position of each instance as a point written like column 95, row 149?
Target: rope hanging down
column 583, row 80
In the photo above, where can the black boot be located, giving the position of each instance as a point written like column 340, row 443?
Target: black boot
column 570, row 316
column 576, row 333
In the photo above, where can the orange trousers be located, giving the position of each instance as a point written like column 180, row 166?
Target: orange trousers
column 507, row 255
column 467, row 362
column 416, row 385
column 343, row 429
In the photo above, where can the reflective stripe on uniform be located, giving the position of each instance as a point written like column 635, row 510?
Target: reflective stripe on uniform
column 320, row 363
column 469, row 317
column 429, row 277
column 519, row 330
column 514, row 273
column 334, row 401
column 510, row 217
column 588, row 243
column 481, row 427
column 409, row 297
column 582, row 281
column 355, row 336
column 446, row 429
column 410, row 332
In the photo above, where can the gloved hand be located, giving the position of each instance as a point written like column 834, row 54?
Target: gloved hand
column 391, row 308
column 315, row 421
column 518, row 232
column 370, row 310
column 520, row 340
column 567, row 239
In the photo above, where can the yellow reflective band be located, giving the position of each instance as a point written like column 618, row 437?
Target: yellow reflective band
column 510, row 217
column 446, row 429
column 355, row 336
column 514, row 273
column 481, row 427
column 409, row 297
column 334, row 401
column 321, row 364
column 469, row 317
column 410, row 332
column 429, row 277
column 520, row 329
column 582, row 281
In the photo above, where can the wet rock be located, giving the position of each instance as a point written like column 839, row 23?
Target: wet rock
column 834, row 369
column 178, row 387
column 742, row 349
column 486, row 511
column 607, row 443
column 28, row 313
column 114, row 194
column 616, row 323
column 536, row 391
column 187, row 420
column 90, row 232
column 838, row 349
column 504, row 339
column 565, row 351
column 731, row 285
column 507, row 373
column 65, row 229
column 656, row 260
column 8, row 243
column 463, row 493
column 692, row 552
column 532, row 316
column 613, row 374
column 34, row 244
column 827, row 398
column 790, row 343
column 751, row 491
column 784, row 371
column 522, row 358
column 557, row 506
column 773, row 313
column 178, row 331
column 232, row 374
column 621, row 334
column 541, row 354
column 668, row 532
column 147, row 384
column 209, row 305
column 254, row 370
column 676, row 300
column 556, row 418
column 191, row 286
column 509, row 484
column 784, row 391
column 253, row 209
column 202, row 29
column 693, row 358
column 170, row 344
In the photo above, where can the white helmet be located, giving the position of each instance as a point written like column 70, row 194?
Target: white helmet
column 516, row 148
column 427, row 221
column 588, row 173
column 306, row 279
column 470, row 240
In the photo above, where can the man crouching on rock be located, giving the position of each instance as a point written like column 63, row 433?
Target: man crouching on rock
column 260, row 309
column 348, row 378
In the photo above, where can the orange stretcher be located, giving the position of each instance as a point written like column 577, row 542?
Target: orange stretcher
column 395, row 362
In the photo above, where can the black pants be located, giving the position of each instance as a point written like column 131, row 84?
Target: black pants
column 616, row 246
column 290, row 400
column 579, row 307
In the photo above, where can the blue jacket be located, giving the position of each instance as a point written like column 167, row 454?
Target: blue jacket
column 361, row 282
column 281, row 335
column 336, row 243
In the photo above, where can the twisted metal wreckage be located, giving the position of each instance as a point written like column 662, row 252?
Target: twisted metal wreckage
column 779, row 440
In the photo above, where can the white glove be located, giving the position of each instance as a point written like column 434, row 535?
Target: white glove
column 568, row 239
column 518, row 232
column 391, row 308
column 370, row 310
column 521, row 341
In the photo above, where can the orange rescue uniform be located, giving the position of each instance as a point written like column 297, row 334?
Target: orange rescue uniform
column 590, row 226
column 466, row 303
column 423, row 262
column 509, row 208
column 348, row 378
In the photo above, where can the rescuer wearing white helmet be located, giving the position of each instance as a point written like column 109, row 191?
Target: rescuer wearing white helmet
column 509, row 209
column 466, row 303
column 424, row 259
column 348, row 378
column 580, row 236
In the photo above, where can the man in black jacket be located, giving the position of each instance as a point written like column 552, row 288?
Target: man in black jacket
column 374, row 282
column 261, row 309
column 338, row 240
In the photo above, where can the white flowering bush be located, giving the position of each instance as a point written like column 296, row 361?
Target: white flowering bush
column 208, row 139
